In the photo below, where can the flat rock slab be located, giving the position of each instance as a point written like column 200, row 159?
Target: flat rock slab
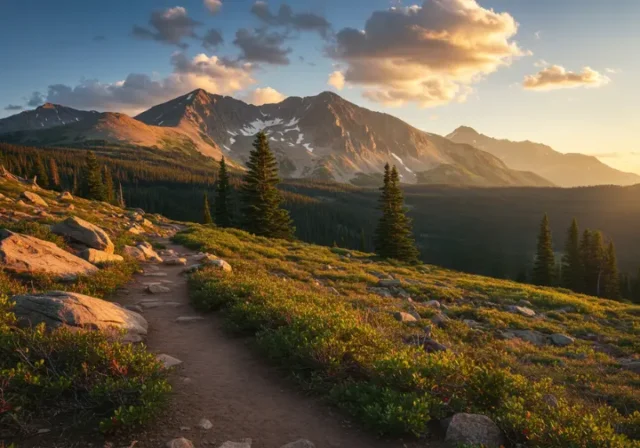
column 175, row 261
column 34, row 198
column 522, row 310
column 84, row 232
column 27, row 254
column 157, row 288
column 246, row 443
column 189, row 319
column 96, row 256
column 474, row 429
column 168, row 361
column 154, row 274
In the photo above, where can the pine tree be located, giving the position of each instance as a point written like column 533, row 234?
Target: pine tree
column 610, row 277
column 635, row 289
column 54, row 178
column 263, row 214
column 572, row 269
column 394, row 237
column 74, row 185
column 206, row 211
column 93, row 187
column 593, row 256
column 222, row 205
column 40, row 172
column 544, row 267
column 109, row 190
column 121, row 202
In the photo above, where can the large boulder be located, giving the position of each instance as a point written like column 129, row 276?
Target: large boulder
column 96, row 256
column 77, row 311
column 34, row 198
column 149, row 253
column 522, row 310
column 561, row 340
column 84, row 232
column 134, row 253
column 23, row 253
column 474, row 429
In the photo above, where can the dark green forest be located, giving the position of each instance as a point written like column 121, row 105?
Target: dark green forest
column 489, row 231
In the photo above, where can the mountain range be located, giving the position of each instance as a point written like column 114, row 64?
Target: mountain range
column 322, row 137
column 564, row 170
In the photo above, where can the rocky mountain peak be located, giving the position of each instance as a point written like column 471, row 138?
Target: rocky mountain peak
column 48, row 106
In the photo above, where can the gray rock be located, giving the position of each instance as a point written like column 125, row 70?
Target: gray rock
column 188, row 319
column 522, row 310
column 96, row 256
column 27, row 254
column 33, row 198
column 382, row 292
column 180, row 443
column 534, row 337
column 84, row 232
column 218, row 264
column 550, row 400
column 175, row 261
column 302, row 443
column 134, row 308
column 134, row 253
column 632, row 365
column 474, row 429
column 246, row 443
column 440, row 320
column 168, row 361
column 404, row 317
column 432, row 346
column 156, row 288
column 561, row 340
column 472, row 323
column 205, row 424
column 433, row 304
column 389, row 282
column 149, row 253
column 71, row 310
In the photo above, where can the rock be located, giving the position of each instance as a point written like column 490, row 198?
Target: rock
column 188, row 319
column 432, row 346
column 154, row 274
column 205, row 424
column 404, row 317
column 522, row 310
column 382, row 292
column 135, row 229
column 21, row 203
column 472, row 323
column 218, row 263
column 524, row 302
column 550, row 400
column 531, row 336
column 474, row 429
column 168, row 361
column 180, row 443
column 65, row 196
column 34, row 198
column 156, row 288
column 134, row 253
column 433, row 304
column 440, row 320
column 191, row 269
column 134, row 308
column 389, row 282
column 71, row 207
column 23, row 253
column 561, row 340
column 175, row 261
column 71, row 310
column 100, row 257
column 84, row 232
column 302, row 443
column 632, row 365
column 149, row 253
column 246, row 443
column 146, row 223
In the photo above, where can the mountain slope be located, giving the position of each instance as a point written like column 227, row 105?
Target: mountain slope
column 44, row 117
column 566, row 170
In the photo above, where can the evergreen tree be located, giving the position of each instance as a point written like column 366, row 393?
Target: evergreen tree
column 593, row 256
column 206, row 211
column 635, row 289
column 263, row 214
column 54, row 178
column 121, row 202
column 222, row 205
column 572, row 269
column 610, row 277
column 74, row 185
column 394, row 236
column 40, row 172
column 544, row 267
column 109, row 190
column 93, row 187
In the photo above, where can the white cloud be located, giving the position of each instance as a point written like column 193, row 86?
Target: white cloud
column 429, row 54
column 538, row 35
column 613, row 71
column 336, row 79
column 265, row 95
column 213, row 5
column 557, row 77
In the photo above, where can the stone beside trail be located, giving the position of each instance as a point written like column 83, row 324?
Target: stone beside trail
column 84, row 232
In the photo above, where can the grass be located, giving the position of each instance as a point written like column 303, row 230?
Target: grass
column 311, row 311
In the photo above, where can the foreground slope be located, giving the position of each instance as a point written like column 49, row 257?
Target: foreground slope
column 565, row 170
column 399, row 347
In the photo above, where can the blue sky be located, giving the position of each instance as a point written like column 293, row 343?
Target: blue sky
column 67, row 41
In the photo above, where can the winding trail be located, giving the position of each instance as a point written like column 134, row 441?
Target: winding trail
column 223, row 380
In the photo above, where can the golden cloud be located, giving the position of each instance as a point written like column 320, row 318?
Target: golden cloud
column 266, row 95
column 557, row 77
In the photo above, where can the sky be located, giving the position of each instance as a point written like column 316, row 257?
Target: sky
column 559, row 72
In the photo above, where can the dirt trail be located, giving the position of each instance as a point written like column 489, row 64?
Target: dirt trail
column 223, row 380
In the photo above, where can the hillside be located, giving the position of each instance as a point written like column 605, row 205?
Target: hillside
column 43, row 117
column 321, row 137
column 565, row 170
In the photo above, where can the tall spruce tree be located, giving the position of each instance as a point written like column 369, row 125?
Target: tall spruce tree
column 206, row 211
column 93, row 187
column 572, row 270
column 121, row 202
column 394, row 236
column 610, row 277
column 544, row 267
column 263, row 214
column 40, row 172
column 592, row 252
column 223, row 214
column 54, row 175
column 109, row 189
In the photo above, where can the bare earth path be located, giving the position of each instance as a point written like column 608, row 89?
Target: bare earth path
column 223, row 380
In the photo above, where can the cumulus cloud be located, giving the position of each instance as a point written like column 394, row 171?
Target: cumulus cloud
column 13, row 107
column 213, row 6
column 260, row 45
column 212, row 39
column 557, row 77
column 170, row 26
column 429, row 54
column 266, row 95
column 287, row 18
column 140, row 91
column 35, row 99
column 336, row 79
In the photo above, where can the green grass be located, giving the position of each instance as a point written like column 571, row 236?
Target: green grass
column 349, row 348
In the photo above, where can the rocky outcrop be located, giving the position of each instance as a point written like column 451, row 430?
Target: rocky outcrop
column 77, row 311
column 149, row 253
column 27, row 254
column 134, row 253
column 33, row 198
column 474, row 429
column 84, row 232
column 95, row 256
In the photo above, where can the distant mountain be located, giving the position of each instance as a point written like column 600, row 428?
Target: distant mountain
column 44, row 117
column 565, row 170
column 322, row 137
